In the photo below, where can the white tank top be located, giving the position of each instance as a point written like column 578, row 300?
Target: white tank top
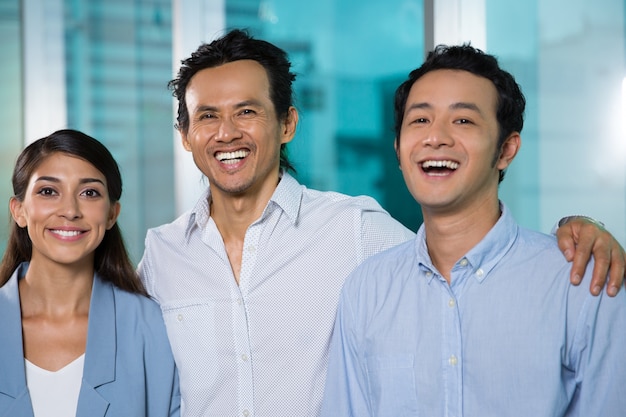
column 55, row 394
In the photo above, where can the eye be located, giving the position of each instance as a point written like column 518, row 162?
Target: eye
column 419, row 120
column 463, row 121
column 247, row 112
column 47, row 191
column 91, row 193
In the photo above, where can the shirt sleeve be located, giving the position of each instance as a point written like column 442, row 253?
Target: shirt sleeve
column 345, row 392
column 143, row 268
column 380, row 231
column 597, row 356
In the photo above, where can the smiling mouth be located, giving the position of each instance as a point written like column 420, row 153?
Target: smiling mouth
column 439, row 167
column 231, row 157
column 66, row 233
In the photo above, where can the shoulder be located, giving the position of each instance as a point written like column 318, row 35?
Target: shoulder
column 540, row 247
column 384, row 268
column 339, row 200
column 290, row 189
column 136, row 311
column 364, row 209
column 391, row 258
column 174, row 227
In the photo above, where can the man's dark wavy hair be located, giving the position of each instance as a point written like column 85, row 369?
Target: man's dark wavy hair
column 234, row 46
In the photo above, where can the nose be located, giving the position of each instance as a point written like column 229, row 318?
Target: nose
column 438, row 135
column 227, row 131
column 70, row 207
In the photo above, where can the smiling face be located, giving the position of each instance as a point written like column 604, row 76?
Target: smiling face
column 66, row 210
column 234, row 133
column 448, row 142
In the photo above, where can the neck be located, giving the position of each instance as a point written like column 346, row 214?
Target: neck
column 233, row 214
column 449, row 236
column 55, row 290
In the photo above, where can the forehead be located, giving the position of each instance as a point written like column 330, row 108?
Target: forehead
column 447, row 87
column 237, row 80
column 65, row 166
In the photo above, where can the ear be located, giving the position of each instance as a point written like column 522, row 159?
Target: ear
column 114, row 212
column 395, row 148
column 17, row 212
column 183, row 138
column 289, row 125
column 509, row 150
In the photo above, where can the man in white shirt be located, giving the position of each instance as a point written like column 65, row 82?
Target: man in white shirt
column 249, row 279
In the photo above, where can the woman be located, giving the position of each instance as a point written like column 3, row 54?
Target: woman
column 80, row 337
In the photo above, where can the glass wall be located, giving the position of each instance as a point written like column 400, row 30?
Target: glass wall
column 118, row 60
column 349, row 56
column 572, row 68
column 12, row 103
column 115, row 58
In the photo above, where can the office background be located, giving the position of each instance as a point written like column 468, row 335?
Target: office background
column 101, row 66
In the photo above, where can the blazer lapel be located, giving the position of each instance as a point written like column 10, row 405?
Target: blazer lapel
column 99, row 368
column 12, row 371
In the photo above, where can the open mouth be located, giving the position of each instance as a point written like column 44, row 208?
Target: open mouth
column 66, row 233
column 232, row 157
column 439, row 167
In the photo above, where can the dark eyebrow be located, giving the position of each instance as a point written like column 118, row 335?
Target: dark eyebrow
column 415, row 106
column 204, row 108
column 245, row 103
column 467, row 106
column 82, row 180
column 454, row 106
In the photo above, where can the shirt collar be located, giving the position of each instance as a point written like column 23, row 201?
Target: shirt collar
column 287, row 197
column 486, row 254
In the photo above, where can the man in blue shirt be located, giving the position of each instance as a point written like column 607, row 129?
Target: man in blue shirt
column 452, row 322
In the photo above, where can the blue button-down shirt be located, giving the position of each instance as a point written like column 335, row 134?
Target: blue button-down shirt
column 261, row 348
column 508, row 337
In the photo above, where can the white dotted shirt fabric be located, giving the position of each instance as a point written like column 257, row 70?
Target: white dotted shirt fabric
column 259, row 349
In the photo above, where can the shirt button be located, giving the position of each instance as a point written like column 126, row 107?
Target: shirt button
column 239, row 301
column 451, row 302
column 480, row 273
column 453, row 360
column 463, row 262
column 251, row 248
column 429, row 274
column 179, row 317
column 245, row 413
column 244, row 357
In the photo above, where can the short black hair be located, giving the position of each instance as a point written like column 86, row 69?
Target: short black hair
column 511, row 101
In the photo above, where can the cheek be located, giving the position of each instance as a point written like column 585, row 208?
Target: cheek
column 199, row 133
column 32, row 215
column 403, row 154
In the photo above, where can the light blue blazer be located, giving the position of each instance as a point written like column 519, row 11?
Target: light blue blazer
column 129, row 370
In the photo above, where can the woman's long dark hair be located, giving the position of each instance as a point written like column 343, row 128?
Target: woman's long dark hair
column 111, row 260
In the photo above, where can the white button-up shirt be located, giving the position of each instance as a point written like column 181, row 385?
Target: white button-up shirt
column 259, row 349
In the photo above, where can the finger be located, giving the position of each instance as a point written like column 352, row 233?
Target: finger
column 600, row 270
column 617, row 272
column 582, row 254
column 565, row 240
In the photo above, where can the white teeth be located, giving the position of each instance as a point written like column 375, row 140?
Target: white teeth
column 231, row 157
column 66, row 233
column 440, row 164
